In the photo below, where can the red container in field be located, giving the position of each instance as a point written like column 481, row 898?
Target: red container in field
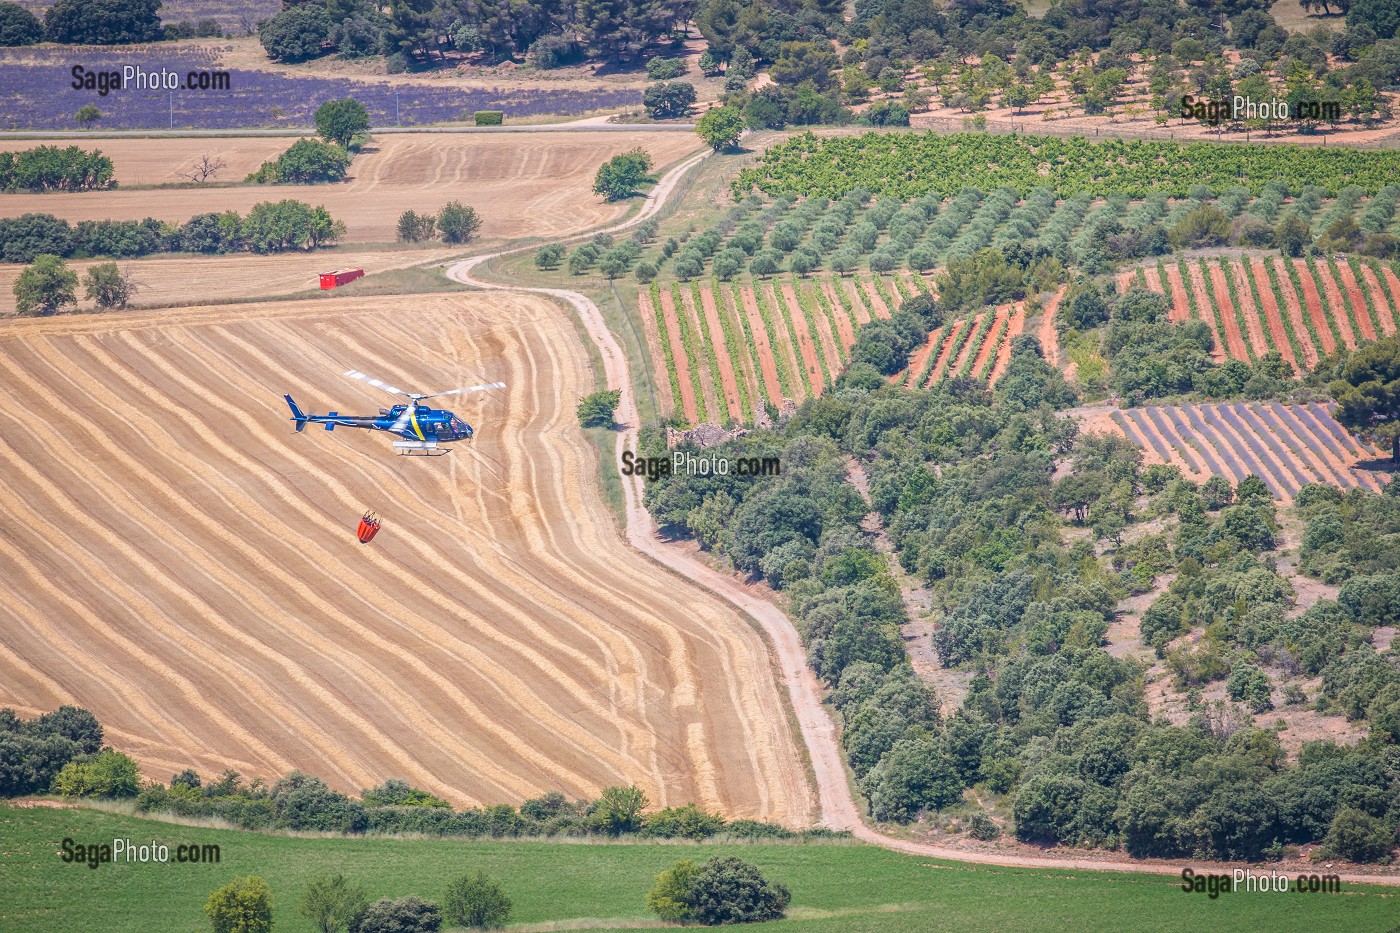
column 340, row 277
column 369, row 527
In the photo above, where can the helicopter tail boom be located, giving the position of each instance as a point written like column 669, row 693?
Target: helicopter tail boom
column 297, row 415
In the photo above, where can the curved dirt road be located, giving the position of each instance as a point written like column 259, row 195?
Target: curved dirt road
column 838, row 806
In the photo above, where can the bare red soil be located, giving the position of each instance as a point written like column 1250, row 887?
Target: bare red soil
column 762, row 348
column 1255, row 271
column 673, row 334
column 1384, row 309
column 1314, row 303
column 798, row 321
column 1356, row 299
column 1335, row 302
column 721, row 350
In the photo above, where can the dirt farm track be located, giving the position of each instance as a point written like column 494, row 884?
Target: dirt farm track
column 522, row 184
column 181, row 562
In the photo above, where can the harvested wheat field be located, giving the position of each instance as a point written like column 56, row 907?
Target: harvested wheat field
column 522, row 184
column 183, row 564
column 180, row 279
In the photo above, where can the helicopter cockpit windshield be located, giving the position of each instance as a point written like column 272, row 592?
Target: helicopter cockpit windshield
column 460, row 427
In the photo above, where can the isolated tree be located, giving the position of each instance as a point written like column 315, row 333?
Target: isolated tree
column 206, row 168
column 720, row 127
column 45, row 286
column 332, row 903
column 476, row 901
column 549, row 256
column 404, row 915
column 86, row 116
column 244, row 905
column 18, row 26
column 1368, row 394
column 457, row 223
column 596, row 410
column 619, row 810
column 338, row 121
column 415, row 227
column 667, row 99
column 108, row 286
column 620, row 176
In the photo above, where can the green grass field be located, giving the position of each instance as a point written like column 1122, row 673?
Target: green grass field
column 577, row 886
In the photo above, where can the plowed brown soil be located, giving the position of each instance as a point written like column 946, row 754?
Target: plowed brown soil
column 181, row 562
column 522, row 184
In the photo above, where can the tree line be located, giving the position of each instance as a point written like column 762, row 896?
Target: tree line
column 50, row 168
column 268, row 227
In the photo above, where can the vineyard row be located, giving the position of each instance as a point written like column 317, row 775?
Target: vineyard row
column 1303, row 308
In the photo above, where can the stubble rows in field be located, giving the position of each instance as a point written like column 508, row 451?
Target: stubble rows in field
column 522, row 184
column 182, row 279
column 183, row 564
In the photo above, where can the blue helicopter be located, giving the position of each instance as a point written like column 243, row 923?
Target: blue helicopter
column 422, row 428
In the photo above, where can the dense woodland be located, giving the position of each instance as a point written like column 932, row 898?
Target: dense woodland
column 1029, row 536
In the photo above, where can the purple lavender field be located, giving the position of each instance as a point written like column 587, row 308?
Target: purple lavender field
column 36, row 93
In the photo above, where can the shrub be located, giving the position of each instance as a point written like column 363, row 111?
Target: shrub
column 415, row 228
column 1359, row 837
column 596, row 410
column 730, row 890
column 687, row 822
column 644, row 272
column 489, row 117
column 476, row 901
column 619, row 810
column 86, row 116
column 332, row 903
column 45, row 286
column 981, row 826
column 549, row 52
column 108, row 286
column 664, row 69
column 458, row 223
column 244, row 905
column 405, row 915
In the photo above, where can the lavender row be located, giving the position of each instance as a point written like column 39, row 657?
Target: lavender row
column 40, row 97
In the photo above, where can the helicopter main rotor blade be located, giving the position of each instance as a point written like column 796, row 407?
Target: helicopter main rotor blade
column 356, row 374
column 489, row 385
column 402, row 422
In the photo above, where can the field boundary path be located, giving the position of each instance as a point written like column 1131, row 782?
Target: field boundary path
column 838, row 806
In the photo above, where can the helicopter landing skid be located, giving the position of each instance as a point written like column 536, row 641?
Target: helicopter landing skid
column 420, row 449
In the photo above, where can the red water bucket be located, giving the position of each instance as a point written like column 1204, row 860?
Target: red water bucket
column 369, row 527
